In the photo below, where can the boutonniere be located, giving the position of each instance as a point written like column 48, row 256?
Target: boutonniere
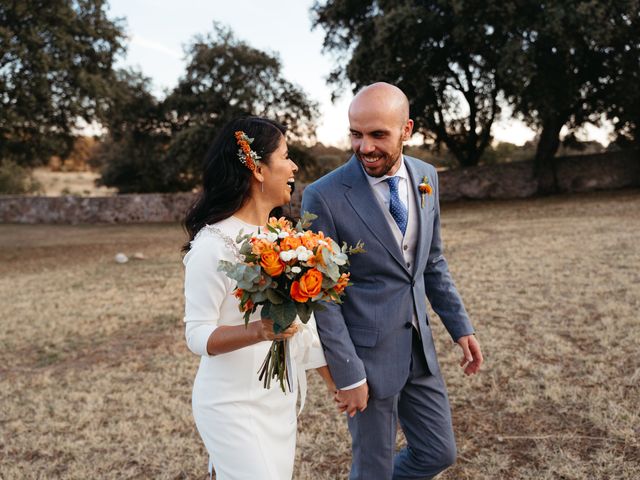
column 425, row 189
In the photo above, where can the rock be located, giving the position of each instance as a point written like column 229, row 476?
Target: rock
column 121, row 258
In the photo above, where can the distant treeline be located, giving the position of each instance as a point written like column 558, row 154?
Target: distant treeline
column 557, row 65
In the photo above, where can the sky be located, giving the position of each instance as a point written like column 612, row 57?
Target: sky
column 158, row 30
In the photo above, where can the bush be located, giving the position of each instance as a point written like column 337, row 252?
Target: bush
column 17, row 180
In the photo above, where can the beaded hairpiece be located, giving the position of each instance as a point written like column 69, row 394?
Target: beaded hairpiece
column 248, row 157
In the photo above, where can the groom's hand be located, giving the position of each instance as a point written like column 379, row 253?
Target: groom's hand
column 353, row 400
column 472, row 359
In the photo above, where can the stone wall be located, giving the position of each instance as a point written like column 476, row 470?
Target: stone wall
column 504, row 181
column 130, row 208
column 604, row 171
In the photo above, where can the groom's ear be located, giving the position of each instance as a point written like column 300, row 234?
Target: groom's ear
column 407, row 130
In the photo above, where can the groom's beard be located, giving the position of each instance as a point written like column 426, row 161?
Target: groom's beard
column 388, row 162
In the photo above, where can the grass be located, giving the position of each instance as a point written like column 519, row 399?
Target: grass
column 95, row 378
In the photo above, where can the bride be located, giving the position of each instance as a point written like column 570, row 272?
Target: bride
column 249, row 431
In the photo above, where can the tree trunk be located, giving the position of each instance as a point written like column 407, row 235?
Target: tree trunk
column 544, row 162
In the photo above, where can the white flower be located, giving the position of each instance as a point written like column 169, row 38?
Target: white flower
column 296, row 269
column 340, row 259
column 283, row 234
column 304, row 256
column 271, row 237
column 287, row 255
column 261, row 236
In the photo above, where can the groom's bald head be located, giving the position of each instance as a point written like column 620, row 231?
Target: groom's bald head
column 379, row 97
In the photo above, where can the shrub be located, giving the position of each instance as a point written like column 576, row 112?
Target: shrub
column 16, row 180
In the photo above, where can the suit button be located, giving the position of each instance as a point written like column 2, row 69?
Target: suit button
column 413, row 283
column 408, row 325
column 406, row 247
column 408, row 265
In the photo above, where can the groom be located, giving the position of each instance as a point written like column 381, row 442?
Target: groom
column 378, row 343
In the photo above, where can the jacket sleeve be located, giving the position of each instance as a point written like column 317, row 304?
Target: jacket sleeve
column 440, row 288
column 344, row 363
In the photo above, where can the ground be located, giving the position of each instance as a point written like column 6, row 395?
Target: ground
column 95, row 377
column 70, row 183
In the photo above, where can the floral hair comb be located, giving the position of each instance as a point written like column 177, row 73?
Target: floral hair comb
column 248, row 157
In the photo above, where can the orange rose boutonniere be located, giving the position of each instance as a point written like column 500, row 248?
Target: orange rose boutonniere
column 425, row 189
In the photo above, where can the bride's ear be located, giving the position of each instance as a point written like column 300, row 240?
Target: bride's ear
column 257, row 174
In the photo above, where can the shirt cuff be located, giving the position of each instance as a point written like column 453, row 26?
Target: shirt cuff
column 354, row 385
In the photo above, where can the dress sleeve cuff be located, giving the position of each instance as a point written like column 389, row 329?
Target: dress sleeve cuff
column 198, row 336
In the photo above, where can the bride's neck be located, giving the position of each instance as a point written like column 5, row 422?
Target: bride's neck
column 254, row 212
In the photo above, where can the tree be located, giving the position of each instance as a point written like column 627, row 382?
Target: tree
column 575, row 56
column 55, row 71
column 131, row 157
column 448, row 57
column 225, row 78
column 622, row 101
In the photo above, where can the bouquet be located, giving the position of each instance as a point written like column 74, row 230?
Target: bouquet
column 288, row 271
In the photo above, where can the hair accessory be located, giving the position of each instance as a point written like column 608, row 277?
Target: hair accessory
column 248, row 157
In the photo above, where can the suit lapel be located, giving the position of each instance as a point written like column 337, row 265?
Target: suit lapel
column 414, row 181
column 363, row 200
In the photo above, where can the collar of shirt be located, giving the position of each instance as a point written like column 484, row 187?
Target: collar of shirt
column 381, row 187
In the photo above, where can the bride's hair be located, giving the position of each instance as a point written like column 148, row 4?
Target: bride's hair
column 225, row 179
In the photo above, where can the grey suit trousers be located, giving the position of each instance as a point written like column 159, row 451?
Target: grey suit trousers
column 422, row 407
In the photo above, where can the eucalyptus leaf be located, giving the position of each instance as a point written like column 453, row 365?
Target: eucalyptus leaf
column 333, row 271
column 283, row 314
column 259, row 297
column 274, row 297
column 304, row 311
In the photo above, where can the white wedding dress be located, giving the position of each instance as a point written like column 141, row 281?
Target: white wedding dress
column 249, row 431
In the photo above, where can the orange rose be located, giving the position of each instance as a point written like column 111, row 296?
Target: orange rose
column 271, row 263
column 290, row 243
column 296, row 294
column 238, row 293
column 311, row 283
column 343, row 281
column 281, row 223
column 260, row 245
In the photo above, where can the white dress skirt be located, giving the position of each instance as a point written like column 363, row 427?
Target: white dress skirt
column 248, row 431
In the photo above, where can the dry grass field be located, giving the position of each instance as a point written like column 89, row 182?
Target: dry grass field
column 95, row 378
column 70, row 183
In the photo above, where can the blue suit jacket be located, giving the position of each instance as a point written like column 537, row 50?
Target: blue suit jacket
column 369, row 335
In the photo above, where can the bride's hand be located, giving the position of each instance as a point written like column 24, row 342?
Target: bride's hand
column 265, row 331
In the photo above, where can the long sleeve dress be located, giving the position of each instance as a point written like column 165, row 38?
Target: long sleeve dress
column 249, row 431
